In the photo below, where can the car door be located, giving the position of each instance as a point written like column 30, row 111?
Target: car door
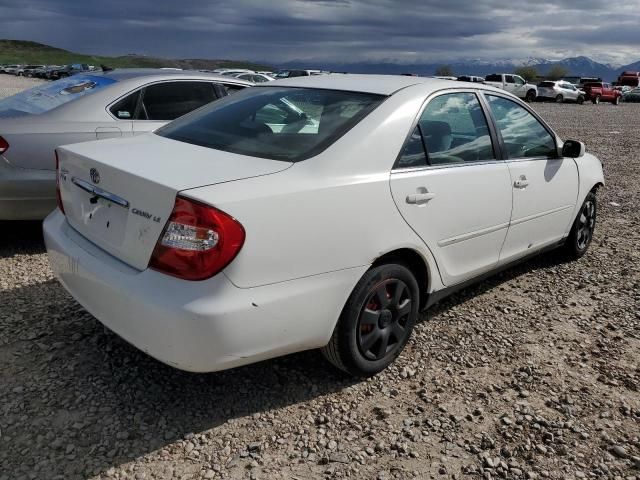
column 450, row 187
column 544, row 185
column 510, row 84
column 165, row 101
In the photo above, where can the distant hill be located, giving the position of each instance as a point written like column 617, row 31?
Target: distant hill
column 578, row 66
column 25, row 52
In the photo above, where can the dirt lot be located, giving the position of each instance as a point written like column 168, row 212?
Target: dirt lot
column 532, row 374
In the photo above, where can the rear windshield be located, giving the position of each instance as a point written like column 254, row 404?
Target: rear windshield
column 547, row 84
column 593, row 84
column 46, row 97
column 493, row 78
column 279, row 123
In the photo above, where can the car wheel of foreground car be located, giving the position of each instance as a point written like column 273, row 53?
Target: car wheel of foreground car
column 376, row 322
column 596, row 100
column 559, row 99
column 582, row 230
column 531, row 96
column 580, row 100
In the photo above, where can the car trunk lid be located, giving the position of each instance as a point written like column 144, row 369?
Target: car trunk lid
column 120, row 193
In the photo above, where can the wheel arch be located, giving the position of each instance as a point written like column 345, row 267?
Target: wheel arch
column 416, row 263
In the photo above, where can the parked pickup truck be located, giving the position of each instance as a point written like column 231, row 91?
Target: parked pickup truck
column 601, row 92
column 513, row 84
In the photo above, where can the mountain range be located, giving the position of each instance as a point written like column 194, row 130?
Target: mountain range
column 576, row 66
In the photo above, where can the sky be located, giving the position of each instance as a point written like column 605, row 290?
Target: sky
column 401, row 31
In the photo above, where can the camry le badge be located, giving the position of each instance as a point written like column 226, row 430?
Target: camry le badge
column 95, row 175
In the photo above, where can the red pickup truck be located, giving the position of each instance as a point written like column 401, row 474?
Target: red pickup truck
column 601, row 92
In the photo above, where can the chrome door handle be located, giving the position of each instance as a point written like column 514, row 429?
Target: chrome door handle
column 420, row 198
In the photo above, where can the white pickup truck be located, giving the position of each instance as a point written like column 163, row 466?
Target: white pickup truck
column 513, row 84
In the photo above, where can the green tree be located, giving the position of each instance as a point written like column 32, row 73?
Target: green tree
column 528, row 73
column 444, row 71
column 557, row 72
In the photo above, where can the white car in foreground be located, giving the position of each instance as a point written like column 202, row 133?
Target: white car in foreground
column 318, row 212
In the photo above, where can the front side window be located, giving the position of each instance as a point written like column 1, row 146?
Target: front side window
column 278, row 123
column 509, row 79
column 523, row 135
column 455, row 130
column 170, row 100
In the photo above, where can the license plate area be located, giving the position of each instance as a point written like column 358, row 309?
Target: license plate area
column 98, row 215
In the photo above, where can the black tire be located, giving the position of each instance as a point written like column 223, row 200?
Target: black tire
column 581, row 234
column 376, row 322
column 616, row 101
column 580, row 100
column 596, row 100
column 530, row 96
column 559, row 99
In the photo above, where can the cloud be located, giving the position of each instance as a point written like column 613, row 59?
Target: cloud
column 404, row 31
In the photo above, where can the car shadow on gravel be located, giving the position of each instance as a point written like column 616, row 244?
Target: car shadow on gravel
column 553, row 258
column 20, row 238
column 75, row 399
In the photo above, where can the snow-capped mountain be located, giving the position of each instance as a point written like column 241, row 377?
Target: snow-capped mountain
column 576, row 66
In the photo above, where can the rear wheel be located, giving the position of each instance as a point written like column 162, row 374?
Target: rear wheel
column 616, row 101
column 596, row 100
column 559, row 99
column 376, row 322
column 582, row 230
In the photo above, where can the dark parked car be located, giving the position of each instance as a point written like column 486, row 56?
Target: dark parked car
column 68, row 70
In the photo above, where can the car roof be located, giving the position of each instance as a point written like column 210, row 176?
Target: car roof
column 376, row 84
column 121, row 74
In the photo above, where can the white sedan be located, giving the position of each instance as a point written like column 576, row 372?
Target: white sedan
column 317, row 212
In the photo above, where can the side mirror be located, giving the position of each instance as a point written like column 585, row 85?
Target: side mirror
column 573, row 149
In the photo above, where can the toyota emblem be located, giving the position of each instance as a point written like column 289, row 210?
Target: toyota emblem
column 95, row 175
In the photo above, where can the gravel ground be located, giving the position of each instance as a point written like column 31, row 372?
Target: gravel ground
column 10, row 84
column 532, row 374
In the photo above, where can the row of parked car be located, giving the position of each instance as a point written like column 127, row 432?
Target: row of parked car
column 48, row 72
column 569, row 89
column 243, row 230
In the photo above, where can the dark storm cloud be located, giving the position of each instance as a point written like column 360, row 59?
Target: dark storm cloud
column 350, row 30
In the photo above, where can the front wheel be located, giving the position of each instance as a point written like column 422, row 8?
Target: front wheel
column 582, row 230
column 376, row 321
column 530, row 96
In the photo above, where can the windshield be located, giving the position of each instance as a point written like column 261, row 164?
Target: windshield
column 48, row 96
column 278, row 123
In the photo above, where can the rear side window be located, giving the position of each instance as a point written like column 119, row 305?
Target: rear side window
column 125, row 108
column 547, row 84
column 523, row 135
column 413, row 154
column 170, row 100
column 455, row 130
column 278, row 123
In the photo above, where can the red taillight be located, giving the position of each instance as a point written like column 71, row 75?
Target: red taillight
column 197, row 242
column 4, row 145
column 58, row 196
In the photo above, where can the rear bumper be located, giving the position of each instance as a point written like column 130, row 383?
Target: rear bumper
column 197, row 326
column 26, row 194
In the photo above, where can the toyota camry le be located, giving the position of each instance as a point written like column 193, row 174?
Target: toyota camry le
column 316, row 212
column 84, row 107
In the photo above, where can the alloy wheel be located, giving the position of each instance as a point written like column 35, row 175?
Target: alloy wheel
column 382, row 325
column 586, row 224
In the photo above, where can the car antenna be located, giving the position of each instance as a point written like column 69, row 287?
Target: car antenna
column 105, row 68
